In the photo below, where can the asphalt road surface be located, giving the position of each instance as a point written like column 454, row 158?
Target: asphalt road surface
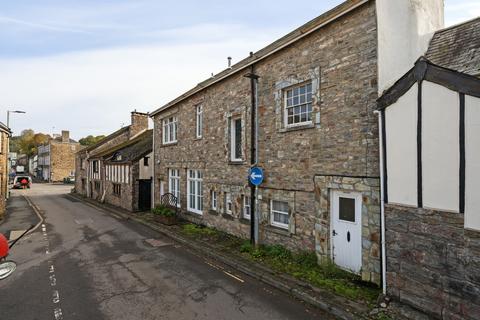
column 82, row 263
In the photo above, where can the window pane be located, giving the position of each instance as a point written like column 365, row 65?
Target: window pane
column 295, row 100
column 289, row 93
column 295, row 91
column 347, row 209
column 238, row 139
column 302, row 89
column 280, row 206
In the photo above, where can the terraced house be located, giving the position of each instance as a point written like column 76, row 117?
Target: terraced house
column 315, row 91
column 91, row 176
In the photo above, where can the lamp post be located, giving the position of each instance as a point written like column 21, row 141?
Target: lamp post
column 9, row 162
column 12, row 111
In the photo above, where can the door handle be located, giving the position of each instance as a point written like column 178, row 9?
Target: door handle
column 334, row 233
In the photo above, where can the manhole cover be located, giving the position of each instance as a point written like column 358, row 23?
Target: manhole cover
column 157, row 243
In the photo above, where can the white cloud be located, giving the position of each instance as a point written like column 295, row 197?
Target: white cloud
column 92, row 92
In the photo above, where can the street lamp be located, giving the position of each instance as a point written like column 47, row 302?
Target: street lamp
column 9, row 163
column 12, row 111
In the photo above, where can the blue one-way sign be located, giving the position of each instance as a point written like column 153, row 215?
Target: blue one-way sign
column 255, row 176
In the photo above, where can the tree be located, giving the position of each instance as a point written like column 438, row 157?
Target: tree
column 28, row 141
column 90, row 140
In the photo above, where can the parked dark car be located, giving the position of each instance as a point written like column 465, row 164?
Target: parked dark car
column 22, row 182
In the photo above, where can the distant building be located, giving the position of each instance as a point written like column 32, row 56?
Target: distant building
column 128, row 174
column 56, row 158
column 91, row 177
column 5, row 134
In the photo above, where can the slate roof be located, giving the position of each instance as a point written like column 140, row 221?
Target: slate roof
column 275, row 46
column 104, row 140
column 457, row 48
column 132, row 150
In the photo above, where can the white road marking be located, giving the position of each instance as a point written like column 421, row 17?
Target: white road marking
column 233, row 276
column 224, row 271
column 57, row 311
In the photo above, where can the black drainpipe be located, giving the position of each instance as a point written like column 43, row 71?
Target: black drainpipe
column 253, row 147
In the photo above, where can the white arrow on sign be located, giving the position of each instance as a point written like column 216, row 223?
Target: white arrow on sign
column 255, row 176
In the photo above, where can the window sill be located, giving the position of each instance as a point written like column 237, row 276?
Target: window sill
column 305, row 126
column 197, row 213
column 278, row 230
column 236, row 162
column 227, row 216
column 167, row 144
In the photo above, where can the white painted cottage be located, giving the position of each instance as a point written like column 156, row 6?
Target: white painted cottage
column 430, row 141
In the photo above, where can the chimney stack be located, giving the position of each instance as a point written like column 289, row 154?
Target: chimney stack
column 139, row 123
column 65, row 136
column 229, row 62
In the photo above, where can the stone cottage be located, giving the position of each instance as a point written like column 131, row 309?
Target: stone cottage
column 90, row 168
column 315, row 91
column 56, row 158
column 128, row 173
column 5, row 134
column 431, row 155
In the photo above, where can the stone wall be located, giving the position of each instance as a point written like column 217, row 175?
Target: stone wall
column 340, row 62
column 433, row 263
column 62, row 160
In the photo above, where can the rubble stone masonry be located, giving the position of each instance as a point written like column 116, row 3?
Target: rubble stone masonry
column 62, row 159
column 340, row 61
column 433, row 262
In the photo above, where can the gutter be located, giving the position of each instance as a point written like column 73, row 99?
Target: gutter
column 382, row 207
column 302, row 35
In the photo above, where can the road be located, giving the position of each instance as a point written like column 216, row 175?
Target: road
column 82, row 263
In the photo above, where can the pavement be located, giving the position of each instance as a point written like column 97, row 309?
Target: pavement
column 19, row 217
column 83, row 263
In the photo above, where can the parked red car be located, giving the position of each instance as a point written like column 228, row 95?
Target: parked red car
column 22, row 182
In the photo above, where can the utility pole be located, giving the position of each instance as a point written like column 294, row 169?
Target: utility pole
column 254, row 219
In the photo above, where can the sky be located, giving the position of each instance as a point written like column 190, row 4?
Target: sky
column 85, row 65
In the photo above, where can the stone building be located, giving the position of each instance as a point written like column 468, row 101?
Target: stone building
column 317, row 133
column 56, row 159
column 128, row 173
column 431, row 177
column 90, row 179
column 5, row 134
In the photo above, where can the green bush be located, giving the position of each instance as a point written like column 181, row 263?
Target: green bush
column 163, row 211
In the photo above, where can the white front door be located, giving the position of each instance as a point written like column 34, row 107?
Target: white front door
column 346, row 230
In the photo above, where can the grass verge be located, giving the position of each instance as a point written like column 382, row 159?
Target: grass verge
column 301, row 265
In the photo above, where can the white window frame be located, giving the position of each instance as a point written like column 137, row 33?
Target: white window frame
column 213, row 199
column 246, row 204
column 228, row 200
column 305, row 103
column 199, row 117
column 195, row 190
column 169, row 126
column 233, row 141
column 174, row 184
column 272, row 216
